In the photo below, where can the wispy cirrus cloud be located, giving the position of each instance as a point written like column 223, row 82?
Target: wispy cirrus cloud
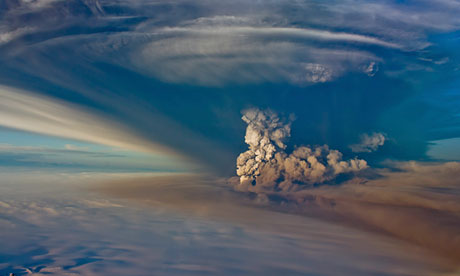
column 225, row 49
column 7, row 36
column 30, row 112
column 251, row 42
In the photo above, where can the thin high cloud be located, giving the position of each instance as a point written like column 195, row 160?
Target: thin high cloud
column 225, row 49
column 208, row 26
column 251, row 42
column 24, row 111
column 7, row 36
column 256, row 47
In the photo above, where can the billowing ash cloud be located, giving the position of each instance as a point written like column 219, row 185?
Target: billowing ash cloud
column 317, row 73
column 266, row 166
column 369, row 142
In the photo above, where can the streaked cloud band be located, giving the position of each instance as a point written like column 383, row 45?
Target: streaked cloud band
column 38, row 114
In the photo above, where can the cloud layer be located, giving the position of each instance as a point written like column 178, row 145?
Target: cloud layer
column 415, row 202
column 211, row 199
column 66, row 224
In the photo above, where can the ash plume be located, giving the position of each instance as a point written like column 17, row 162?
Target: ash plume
column 370, row 142
column 267, row 167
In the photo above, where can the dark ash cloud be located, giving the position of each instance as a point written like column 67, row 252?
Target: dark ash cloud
column 266, row 166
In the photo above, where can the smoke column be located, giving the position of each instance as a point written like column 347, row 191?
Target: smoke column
column 267, row 167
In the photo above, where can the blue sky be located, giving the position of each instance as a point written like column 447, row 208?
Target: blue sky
column 23, row 150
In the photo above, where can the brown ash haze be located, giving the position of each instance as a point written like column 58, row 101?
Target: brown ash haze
column 416, row 202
